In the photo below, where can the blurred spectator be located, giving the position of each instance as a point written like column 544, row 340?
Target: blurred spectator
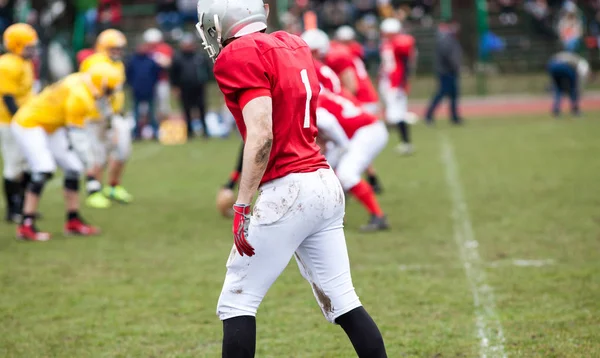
column 189, row 74
column 334, row 14
column 448, row 59
column 109, row 14
column 508, row 12
column 570, row 27
column 142, row 74
column 540, row 12
column 568, row 72
column 167, row 15
column 7, row 9
column 364, row 7
column 162, row 54
column 187, row 10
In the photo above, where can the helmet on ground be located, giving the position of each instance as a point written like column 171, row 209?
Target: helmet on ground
column 391, row 26
column 222, row 20
column 18, row 37
column 112, row 43
column 225, row 201
column 152, row 36
column 105, row 78
column 345, row 33
column 317, row 40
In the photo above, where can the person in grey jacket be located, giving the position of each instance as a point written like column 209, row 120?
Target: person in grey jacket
column 448, row 58
column 189, row 74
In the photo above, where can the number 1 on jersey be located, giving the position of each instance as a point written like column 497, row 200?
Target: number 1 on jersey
column 304, row 75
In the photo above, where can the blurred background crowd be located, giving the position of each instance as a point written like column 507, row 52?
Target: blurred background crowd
column 497, row 36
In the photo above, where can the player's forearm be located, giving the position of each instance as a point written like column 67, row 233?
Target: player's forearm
column 257, row 149
column 349, row 81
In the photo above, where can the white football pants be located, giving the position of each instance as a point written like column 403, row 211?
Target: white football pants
column 12, row 156
column 396, row 102
column 299, row 215
column 365, row 145
column 43, row 151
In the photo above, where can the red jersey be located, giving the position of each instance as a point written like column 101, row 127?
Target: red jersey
column 340, row 58
column 396, row 54
column 356, row 49
column 278, row 65
column 163, row 53
column 348, row 112
column 327, row 78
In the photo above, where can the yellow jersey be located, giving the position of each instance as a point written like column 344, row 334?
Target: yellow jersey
column 16, row 79
column 117, row 100
column 68, row 102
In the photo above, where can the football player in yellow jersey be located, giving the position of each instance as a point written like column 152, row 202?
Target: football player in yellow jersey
column 16, row 82
column 49, row 129
column 113, row 144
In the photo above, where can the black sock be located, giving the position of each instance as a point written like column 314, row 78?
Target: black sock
column 12, row 193
column 72, row 215
column 28, row 219
column 239, row 337
column 363, row 333
column 372, row 180
column 404, row 130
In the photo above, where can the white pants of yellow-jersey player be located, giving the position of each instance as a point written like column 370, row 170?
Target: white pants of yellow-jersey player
column 44, row 151
column 299, row 215
column 115, row 141
column 12, row 156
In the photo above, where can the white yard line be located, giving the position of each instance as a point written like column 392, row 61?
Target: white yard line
column 489, row 328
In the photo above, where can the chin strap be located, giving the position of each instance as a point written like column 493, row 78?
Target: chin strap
column 212, row 52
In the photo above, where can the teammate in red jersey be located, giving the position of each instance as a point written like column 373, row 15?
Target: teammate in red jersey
column 398, row 57
column 271, row 88
column 347, row 36
column 319, row 43
column 361, row 137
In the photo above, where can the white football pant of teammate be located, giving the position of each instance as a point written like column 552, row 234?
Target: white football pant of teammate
column 396, row 102
column 365, row 145
column 299, row 215
column 12, row 156
column 115, row 141
column 43, row 151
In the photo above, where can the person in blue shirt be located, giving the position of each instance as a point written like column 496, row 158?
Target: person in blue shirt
column 142, row 76
column 568, row 73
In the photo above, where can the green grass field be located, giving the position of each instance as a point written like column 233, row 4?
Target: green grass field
column 495, row 250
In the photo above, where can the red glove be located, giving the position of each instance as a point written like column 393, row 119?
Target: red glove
column 241, row 221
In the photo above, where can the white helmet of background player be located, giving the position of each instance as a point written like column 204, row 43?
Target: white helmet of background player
column 222, row 20
column 317, row 40
column 152, row 36
column 391, row 26
column 345, row 33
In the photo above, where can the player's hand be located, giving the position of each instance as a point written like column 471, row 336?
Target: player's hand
column 241, row 221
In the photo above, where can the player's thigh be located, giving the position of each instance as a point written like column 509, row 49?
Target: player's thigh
column 61, row 150
column 395, row 106
column 275, row 232
column 323, row 261
column 34, row 146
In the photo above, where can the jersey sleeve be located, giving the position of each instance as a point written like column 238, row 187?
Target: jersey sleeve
column 340, row 61
column 77, row 110
column 404, row 46
column 11, row 73
column 243, row 75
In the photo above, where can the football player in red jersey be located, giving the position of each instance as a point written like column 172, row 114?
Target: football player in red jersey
column 347, row 36
column 398, row 56
column 318, row 42
column 271, row 88
column 361, row 138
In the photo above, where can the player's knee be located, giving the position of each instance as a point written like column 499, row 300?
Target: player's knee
column 71, row 181
column 235, row 302
column 38, row 182
column 347, row 177
column 12, row 171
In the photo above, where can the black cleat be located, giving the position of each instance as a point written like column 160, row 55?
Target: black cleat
column 376, row 224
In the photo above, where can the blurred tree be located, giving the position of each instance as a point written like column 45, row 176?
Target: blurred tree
column 273, row 15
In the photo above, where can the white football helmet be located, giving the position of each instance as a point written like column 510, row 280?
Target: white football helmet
column 391, row 26
column 345, row 33
column 152, row 35
column 317, row 40
column 221, row 20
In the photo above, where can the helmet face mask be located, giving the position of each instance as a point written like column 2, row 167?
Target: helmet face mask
column 29, row 51
column 112, row 43
column 224, row 20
